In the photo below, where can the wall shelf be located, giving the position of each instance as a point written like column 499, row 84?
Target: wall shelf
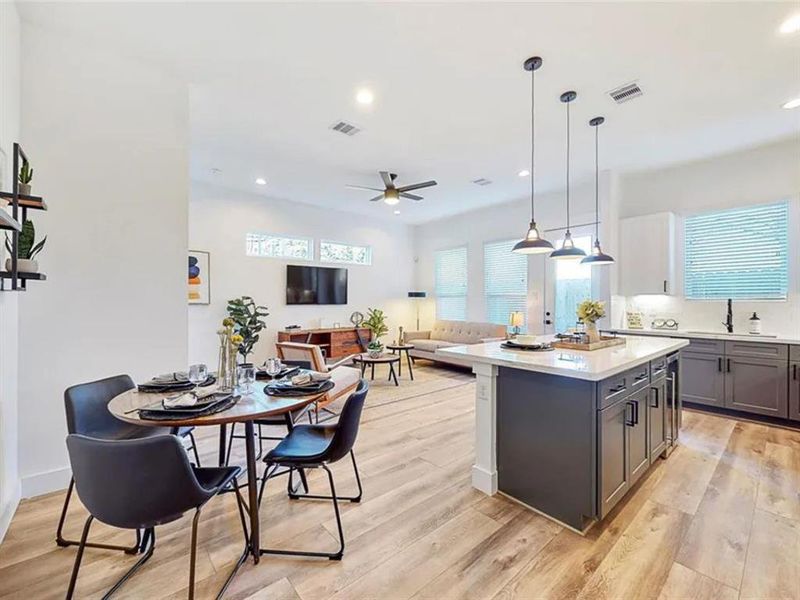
column 32, row 202
column 14, row 222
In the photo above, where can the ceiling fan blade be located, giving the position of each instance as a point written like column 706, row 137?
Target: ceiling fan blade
column 387, row 179
column 363, row 187
column 416, row 186
column 411, row 196
column 376, row 198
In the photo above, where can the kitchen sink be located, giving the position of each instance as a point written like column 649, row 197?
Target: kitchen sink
column 760, row 335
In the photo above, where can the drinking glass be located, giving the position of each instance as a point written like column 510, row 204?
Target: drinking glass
column 198, row 373
column 273, row 367
column 246, row 377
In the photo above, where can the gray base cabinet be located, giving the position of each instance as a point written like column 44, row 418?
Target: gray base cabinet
column 794, row 390
column 657, row 418
column 756, row 385
column 702, row 378
column 638, row 432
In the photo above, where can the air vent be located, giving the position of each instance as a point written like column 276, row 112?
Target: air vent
column 482, row 181
column 626, row 92
column 345, row 128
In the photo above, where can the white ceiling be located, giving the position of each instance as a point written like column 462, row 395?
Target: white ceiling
column 451, row 97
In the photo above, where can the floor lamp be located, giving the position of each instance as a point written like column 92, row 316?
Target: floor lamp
column 417, row 296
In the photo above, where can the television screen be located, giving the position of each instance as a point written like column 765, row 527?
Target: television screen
column 315, row 285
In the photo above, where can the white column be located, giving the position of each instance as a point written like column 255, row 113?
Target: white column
column 484, row 471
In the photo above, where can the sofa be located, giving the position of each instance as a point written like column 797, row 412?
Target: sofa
column 451, row 333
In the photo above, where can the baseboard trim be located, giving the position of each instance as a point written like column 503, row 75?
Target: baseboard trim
column 7, row 511
column 44, row 483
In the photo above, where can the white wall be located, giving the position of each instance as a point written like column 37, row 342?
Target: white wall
column 510, row 221
column 108, row 139
column 219, row 219
column 761, row 175
column 9, row 133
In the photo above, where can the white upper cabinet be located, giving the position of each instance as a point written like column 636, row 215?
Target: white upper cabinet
column 647, row 255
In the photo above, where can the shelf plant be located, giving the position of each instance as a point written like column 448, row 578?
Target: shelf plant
column 376, row 323
column 27, row 249
column 248, row 321
column 25, row 177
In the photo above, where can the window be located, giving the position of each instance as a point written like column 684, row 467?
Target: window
column 273, row 246
column 573, row 285
column 345, row 253
column 451, row 284
column 505, row 282
column 740, row 253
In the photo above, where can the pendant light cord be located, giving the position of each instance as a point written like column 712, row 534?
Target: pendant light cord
column 567, row 103
column 533, row 144
column 596, row 186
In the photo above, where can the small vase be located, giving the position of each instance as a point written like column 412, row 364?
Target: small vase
column 592, row 332
column 222, row 365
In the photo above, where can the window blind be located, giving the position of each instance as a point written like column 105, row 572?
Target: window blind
column 740, row 253
column 451, row 284
column 505, row 282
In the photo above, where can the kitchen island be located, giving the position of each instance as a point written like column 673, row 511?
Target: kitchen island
column 569, row 432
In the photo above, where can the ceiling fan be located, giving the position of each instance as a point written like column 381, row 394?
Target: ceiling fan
column 391, row 194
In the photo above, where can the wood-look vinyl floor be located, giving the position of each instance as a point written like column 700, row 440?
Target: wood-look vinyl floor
column 719, row 519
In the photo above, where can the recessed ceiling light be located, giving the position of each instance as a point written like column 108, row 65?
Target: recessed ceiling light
column 524, row 173
column 365, row 96
column 791, row 25
column 397, row 212
column 261, row 181
column 792, row 103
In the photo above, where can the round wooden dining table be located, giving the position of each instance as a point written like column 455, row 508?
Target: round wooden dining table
column 249, row 408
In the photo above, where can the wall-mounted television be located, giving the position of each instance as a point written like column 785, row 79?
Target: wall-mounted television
column 315, row 285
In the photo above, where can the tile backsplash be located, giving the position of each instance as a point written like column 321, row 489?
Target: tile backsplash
column 777, row 317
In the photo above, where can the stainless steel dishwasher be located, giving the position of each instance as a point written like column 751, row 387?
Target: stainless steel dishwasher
column 674, row 405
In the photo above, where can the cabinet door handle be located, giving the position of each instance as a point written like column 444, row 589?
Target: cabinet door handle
column 629, row 422
column 665, row 286
column 635, row 412
column 719, row 364
column 655, row 397
column 728, row 361
column 794, row 372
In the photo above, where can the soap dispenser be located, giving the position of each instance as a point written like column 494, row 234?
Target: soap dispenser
column 755, row 325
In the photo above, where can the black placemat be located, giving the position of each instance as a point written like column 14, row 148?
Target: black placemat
column 274, row 389
column 153, row 413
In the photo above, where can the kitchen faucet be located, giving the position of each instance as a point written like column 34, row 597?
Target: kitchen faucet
column 729, row 320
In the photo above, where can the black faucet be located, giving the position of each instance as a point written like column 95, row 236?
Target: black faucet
column 729, row 320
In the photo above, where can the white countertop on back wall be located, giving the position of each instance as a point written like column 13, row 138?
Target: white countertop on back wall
column 732, row 337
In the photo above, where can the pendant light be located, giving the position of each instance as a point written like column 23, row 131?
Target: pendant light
column 597, row 257
column 533, row 243
column 568, row 250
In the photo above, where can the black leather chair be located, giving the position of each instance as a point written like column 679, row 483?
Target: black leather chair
column 87, row 411
column 316, row 446
column 141, row 483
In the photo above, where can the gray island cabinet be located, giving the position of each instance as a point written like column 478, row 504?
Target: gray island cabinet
column 565, row 432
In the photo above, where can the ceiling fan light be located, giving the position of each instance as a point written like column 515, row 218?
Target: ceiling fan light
column 533, row 243
column 391, row 197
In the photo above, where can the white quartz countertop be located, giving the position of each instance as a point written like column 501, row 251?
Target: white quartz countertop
column 733, row 337
column 578, row 364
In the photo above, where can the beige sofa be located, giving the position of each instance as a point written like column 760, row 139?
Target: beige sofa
column 452, row 333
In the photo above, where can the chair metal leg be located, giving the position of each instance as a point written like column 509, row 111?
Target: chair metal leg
column 194, row 449
column 76, row 567
column 355, row 499
column 61, row 541
column 329, row 555
column 149, row 542
column 193, row 553
column 230, row 444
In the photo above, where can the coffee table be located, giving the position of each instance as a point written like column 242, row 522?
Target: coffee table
column 400, row 348
column 388, row 359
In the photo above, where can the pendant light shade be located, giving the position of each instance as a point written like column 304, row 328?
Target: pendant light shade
column 597, row 257
column 533, row 243
column 568, row 250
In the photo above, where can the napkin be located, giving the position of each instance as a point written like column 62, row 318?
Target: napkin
column 308, row 377
column 180, row 401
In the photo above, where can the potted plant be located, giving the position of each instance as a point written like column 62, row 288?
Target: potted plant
column 376, row 323
column 27, row 249
column 248, row 321
column 25, row 176
column 589, row 311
